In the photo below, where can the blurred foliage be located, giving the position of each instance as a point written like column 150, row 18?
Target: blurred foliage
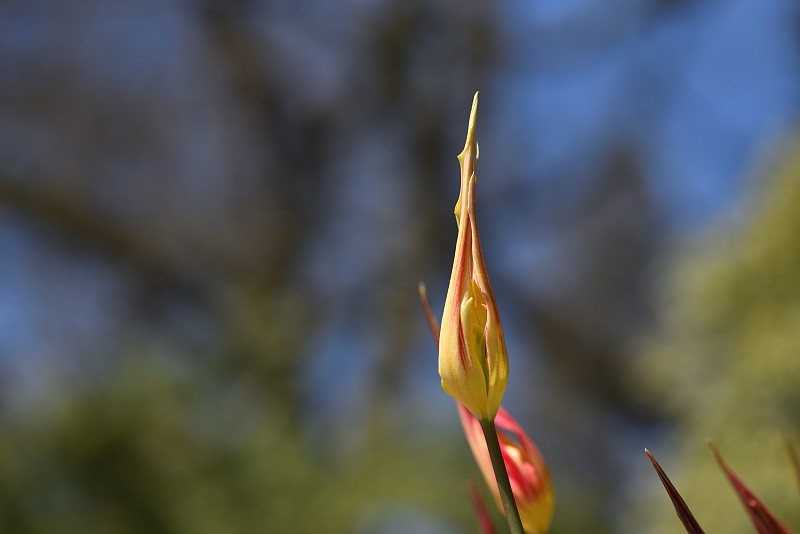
column 725, row 361
column 207, row 171
column 155, row 450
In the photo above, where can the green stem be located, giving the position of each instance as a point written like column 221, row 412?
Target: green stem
column 500, row 473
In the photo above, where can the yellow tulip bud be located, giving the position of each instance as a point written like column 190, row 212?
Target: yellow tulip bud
column 473, row 362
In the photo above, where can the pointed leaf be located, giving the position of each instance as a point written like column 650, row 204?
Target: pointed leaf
column 684, row 514
column 434, row 326
column 764, row 520
column 481, row 513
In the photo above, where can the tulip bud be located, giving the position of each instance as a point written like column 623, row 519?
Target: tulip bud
column 473, row 362
column 527, row 472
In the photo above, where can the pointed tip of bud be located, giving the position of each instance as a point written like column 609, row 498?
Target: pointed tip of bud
column 473, row 115
column 470, row 142
column 474, row 111
column 469, row 155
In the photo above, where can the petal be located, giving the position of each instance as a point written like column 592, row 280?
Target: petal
column 496, row 354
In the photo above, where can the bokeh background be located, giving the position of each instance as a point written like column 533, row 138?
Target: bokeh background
column 214, row 215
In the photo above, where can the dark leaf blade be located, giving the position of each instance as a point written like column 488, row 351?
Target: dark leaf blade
column 684, row 514
column 764, row 520
column 434, row 326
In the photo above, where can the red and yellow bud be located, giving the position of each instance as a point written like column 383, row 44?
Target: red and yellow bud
column 473, row 362
column 527, row 472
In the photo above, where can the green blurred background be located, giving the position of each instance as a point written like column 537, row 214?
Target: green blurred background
column 214, row 215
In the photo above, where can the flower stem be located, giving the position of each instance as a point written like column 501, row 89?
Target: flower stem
column 501, row 475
